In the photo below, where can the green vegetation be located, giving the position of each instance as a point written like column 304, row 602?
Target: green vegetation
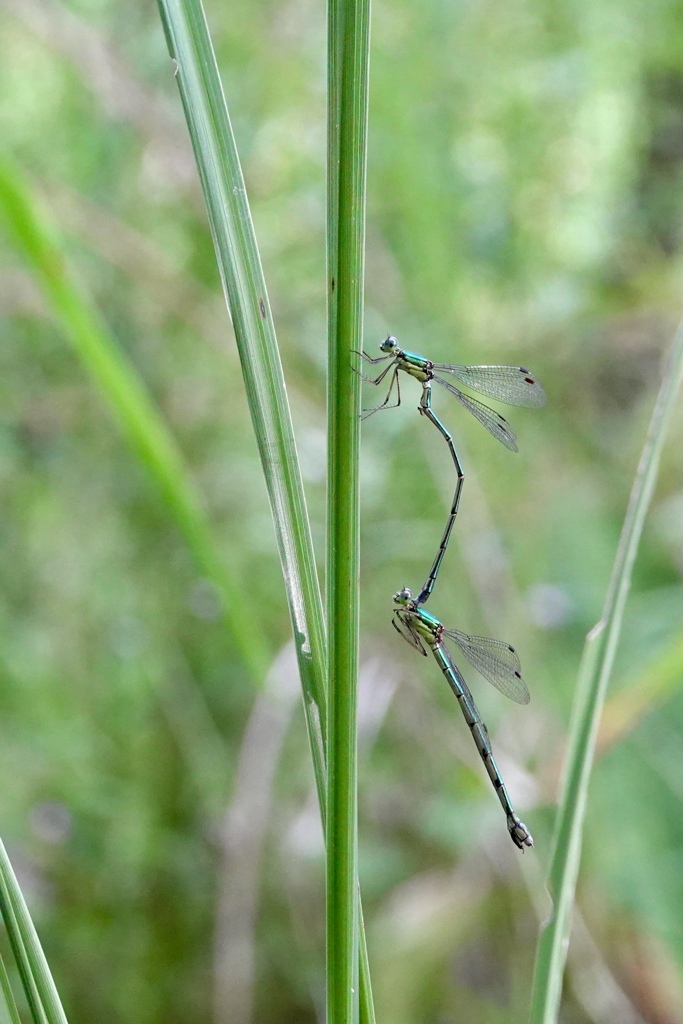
column 524, row 205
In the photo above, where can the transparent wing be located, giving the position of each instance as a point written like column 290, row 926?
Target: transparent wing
column 497, row 662
column 513, row 385
column 493, row 421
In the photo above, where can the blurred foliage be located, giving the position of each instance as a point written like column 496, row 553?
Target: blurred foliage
column 525, row 205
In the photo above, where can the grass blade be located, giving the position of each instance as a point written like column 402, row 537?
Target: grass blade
column 348, row 68
column 37, row 980
column 122, row 388
column 11, row 1015
column 245, row 290
column 594, row 675
column 244, row 285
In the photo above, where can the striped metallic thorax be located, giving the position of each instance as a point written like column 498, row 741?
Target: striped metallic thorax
column 417, row 366
column 429, row 628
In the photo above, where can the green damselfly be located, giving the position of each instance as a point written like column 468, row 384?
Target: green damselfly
column 513, row 385
column 494, row 659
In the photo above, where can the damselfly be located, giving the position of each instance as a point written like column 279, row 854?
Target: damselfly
column 513, row 385
column 494, row 659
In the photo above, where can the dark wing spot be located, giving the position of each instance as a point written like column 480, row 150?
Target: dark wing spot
column 517, row 674
column 511, row 649
column 523, row 369
column 262, row 307
column 529, row 380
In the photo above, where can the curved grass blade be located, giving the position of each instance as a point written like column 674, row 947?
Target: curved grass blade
column 21, row 959
column 239, row 265
column 11, row 1013
column 594, row 675
column 38, row 983
column 140, row 421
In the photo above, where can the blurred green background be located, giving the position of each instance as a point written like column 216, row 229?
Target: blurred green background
column 525, row 206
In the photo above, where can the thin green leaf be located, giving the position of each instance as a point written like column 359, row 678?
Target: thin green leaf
column 119, row 383
column 38, row 983
column 11, row 1016
column 239, row 264
column 594, row 675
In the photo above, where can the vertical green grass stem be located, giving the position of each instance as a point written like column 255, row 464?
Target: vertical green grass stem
column 348, row 61
column 594, row 675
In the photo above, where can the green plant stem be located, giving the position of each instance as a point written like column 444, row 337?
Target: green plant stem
column 348, row 57
column 594, row 674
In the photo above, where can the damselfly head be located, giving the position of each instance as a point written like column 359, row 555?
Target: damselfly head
column 389, row 344
column 403, row 597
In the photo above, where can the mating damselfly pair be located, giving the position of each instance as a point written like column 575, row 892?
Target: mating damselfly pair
column 496, row 660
